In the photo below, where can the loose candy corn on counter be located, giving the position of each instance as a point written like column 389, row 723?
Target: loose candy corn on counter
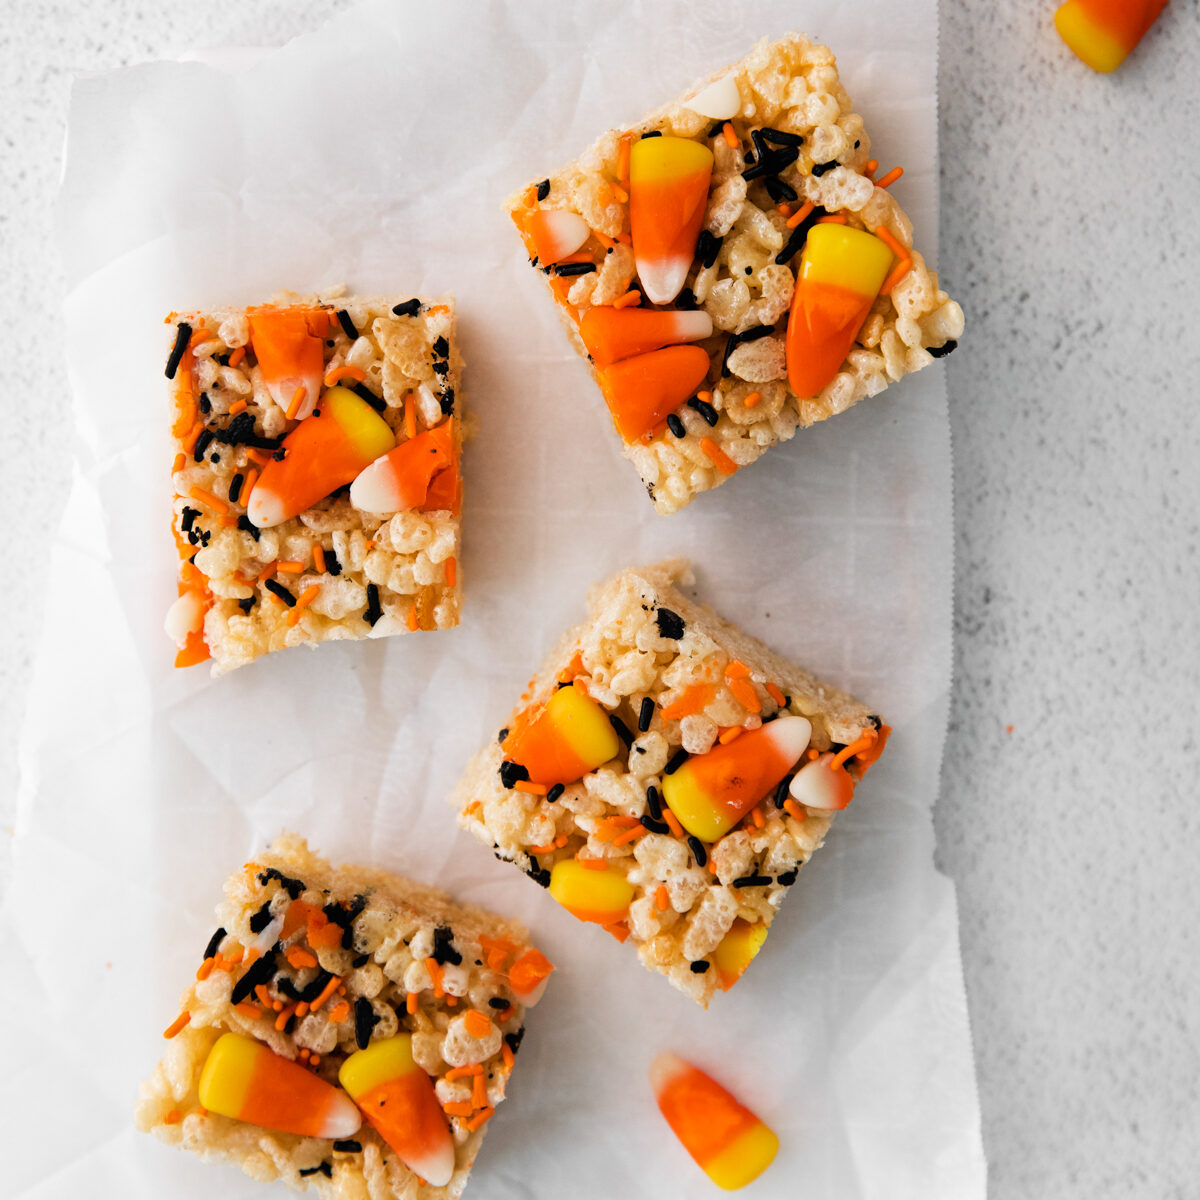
column 347, row 1029
column 316, row 474
column 665, row 777
column 733, row 269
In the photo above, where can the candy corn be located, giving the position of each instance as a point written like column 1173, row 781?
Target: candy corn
column 737, row 949
column 821, row 784
column 591, row 895
column 1104, row 32
column 554, row 233
column 567, row 738
column 528, row 976
column 322, row 454
column 668, row 193
column 402, row 478
column 712, row 792
column 841, row 272
column 719, row 101
column 288, row 345
column 642, row 391
column 730, row 1144
column 398, row 1099
column 611, row 334
column 248, row 1081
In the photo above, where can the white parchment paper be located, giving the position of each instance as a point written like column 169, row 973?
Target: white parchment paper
column 375, row 152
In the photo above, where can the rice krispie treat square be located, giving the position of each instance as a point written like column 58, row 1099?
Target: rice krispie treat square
column 347, row 1030
column 733, row 270
column 317, row 487
column 667, row 776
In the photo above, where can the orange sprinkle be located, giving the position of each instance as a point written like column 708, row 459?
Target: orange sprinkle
column 623, row 147
column 458, row 1108
column 673, row 823
column 833, row 219
column 898, row 273
column 345, row 371
column 604, row 240
column 463, row 1072
column 705, row 396
column 437, row 975
column 730, row 135
column 414, row 622
column 630, row 835
column 264, row 997
column 319, row 559
column 784, row 210
column 547, row 849
column 479, row 1091
column 625, row 238
column 437, row 308
column 177, row 1024
column 289, row 567
column 302, row 1009
column 719, row 458
column 297, row 399
column 744, row 693
column 451, row 572
column 305, row 598
column 227, row 521
column 173, row 1117
column 177, row 466
column 800, row 213
column 505, row 1013
column 871, row 167
column 267, row 572
column 480, row 1119
column 326, row 992
column 340, row 1013
column 631, row 297
column 736, row 669
column 410, row 416
column 235, row 359
column 299, row 957
column 189, row 441
column 248, row 1011
column 509, row 1057
column 885, row 235
column 856, row 747
column 251, row 480
column 776, row 695
column 889, row 178
column 497, row 950
column 205, row 969
column 662, row 899
column 693, row 698
column 284, row 1017
column 729, row 735
column 757, row 814
column 234, row 956
column 592, row 864
column 751, row 400
column 604, row 193
column 238, row 406
column 472, row 808
column 451, row 1001
column 534, row 789
column 198, row 493
column 199, row 334
column 619, row 193
column 793, row 810
column 477, row 1025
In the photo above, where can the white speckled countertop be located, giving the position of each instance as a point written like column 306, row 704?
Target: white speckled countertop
column 1070, row 782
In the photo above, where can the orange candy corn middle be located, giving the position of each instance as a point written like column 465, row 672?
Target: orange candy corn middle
column 644, row 390
column 405, row 478
column 288, row 344
column 611, row 334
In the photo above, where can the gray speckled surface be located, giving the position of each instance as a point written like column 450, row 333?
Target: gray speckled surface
column 1068, row 207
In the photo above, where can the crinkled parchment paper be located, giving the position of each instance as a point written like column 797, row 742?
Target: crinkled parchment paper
column 376, row 152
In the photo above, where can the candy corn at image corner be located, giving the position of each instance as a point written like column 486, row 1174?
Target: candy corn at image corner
column 1103, row 33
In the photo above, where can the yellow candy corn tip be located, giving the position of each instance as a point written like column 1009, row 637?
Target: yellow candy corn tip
column 379, row 1063
column 744, row 1159
column 737, row 950
column 584, row 726
column 662, row 159
column 369, row 433
column 845, row 257
column 599, row 896
column 1091, row 43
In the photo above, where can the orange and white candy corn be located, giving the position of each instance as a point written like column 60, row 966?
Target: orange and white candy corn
column 600, row 896
column 642, row 391
column 712, row 792
column 823, row 783
column 248, row 1081
column 398, row 1100
column 555, row 233
column 289, row 345
column 841, row 272
column 737, row 950
column 401, row 479
column 668, row 194
column 323, row 453
column 528, row 976
column 611, row 334
column 570, row 736
column 1104, row 32
column 730, row 1144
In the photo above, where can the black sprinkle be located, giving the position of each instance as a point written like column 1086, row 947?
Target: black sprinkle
column 343, row 915
column 621, row 728
column 373, row 611
column 223, row 358
column 247, row 604
column 277, row 589
column 700, row 966
column 553, row 794
column 443, row 946
column 204, row 404
column 780, row 137
column 214, row 943
column 730, row 346
column 261, row 919
column 654, row 802
column 645, row 714
column 347, row 1146
column 324, row 1168
column 760, row 147
column 347, row 325
column 247, row 526
column 752, row 881
column 261, row 971
column 941, row 351
column 708, row 247
column 686, row 299
column 293, row 887
column 235, row 487
column 675, row 425
column 543, row 189
column 497, row 1002
column 189, row 515
column 698, row 851
column 787, row 878
column 779, row 191
column 857, row 144
column 409, row 308
column 781, row 792
column 538, row 874
column 240, row 432
column 715, row 130
column 332, row 566
column 705, row 409
column 441, row 347
column 874, row 721
column 307, row 994
column 511, row 773
column 755, row 334
column 365, row 1020
column 799, row 236
column 670, row 624
column 446, row 401
column 652, row 133
column 441, row 368
column 514, row 1039
column 772, row 164
column 364, row 393
column 502, row 735
column 579, row 268
column 202, row 442
column 183, row 333
column 819, row 169
column 676, row 761
column 655, row 826
column 360, row 961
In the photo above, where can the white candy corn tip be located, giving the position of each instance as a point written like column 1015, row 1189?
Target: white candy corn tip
column 718, row 101
column 185, row 616
column 663, row 279
column 561, row 233
column 343, row 1120
column 282, row 391
column 269, row 935
column 790, row 735
column 264, row 508
column 529, row 999
column 816, row 786
column 693, row 325
column 664, row 1069
column 437, row 1166
column 374, row 489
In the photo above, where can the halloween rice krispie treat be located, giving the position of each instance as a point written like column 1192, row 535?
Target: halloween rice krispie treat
column 316, row 473
column 734, row 270
column 667, row 776
column 347, row 1029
